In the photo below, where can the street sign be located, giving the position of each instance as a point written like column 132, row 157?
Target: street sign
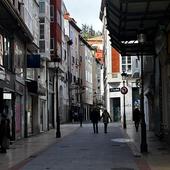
column 124, row 90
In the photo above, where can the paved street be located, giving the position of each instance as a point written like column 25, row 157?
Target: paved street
column 84, row 150
column 80, row 148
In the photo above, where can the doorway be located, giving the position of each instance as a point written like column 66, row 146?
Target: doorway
column 115, row 105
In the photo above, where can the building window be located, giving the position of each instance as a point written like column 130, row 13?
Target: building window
column 7, row 53
column 42, row 7
column 52, row 13
column 42, row 46
column 42, row 20
column 52, row 44
column 126, row 64
column 1, row 50
column 42, row 31
column 65, row 54
column 74, row 79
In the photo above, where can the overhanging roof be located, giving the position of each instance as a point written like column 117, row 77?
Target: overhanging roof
column 126, row 18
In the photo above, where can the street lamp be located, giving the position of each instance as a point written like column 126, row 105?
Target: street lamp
column 141, row 40
column 124, row 90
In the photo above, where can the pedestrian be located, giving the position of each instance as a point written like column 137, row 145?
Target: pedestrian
column 95, row 117
column 4, row 134
column 105, row 116
column 80, row 116
column 136, row 118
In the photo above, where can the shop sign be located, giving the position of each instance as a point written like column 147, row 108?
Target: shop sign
column 7, row 96
column 114, row 89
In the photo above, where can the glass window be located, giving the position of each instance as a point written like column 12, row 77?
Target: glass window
column 42, row 7
column 7, row 54
column 18, row 58
column 42, row 20
column 52, row 43
column 52, row 13
column 42, row 46
column 124, row 68
column 123, row 60
column 129, row 60
column 42, row 31
column 129, row 68
column 1, row 50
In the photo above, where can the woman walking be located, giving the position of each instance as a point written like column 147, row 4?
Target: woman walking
column 105, row 116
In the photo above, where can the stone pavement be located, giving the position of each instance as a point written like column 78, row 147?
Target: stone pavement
column 85, row 150
column 26, row 149
column 78, row 140
column 158, row 156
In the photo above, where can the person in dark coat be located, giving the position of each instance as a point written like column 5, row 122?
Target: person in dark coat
column 4, row 134
column 136, row 118
column 95, row 117
column 105, row 116
column 80, row 116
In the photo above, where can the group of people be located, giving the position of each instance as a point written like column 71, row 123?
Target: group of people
column 4, row 131
column 95, row 118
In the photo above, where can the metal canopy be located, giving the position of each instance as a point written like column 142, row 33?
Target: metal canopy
column 127, row 18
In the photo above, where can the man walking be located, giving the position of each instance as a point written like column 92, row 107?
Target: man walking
column 95, row 117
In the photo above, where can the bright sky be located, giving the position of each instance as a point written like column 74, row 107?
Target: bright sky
column 85, row 12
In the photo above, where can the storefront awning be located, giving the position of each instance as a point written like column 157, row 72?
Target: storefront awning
column 127, row 18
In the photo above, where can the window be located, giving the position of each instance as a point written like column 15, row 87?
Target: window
column 42, row 7
column 1, row 50
column 42, row 46
column 52, row 13
column 42, row 31
column 126, row 63
column 42, row 20
column 65, row 54
column 52, row 44
column 7, row 54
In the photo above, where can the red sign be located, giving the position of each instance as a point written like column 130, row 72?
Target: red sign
column 124, row 90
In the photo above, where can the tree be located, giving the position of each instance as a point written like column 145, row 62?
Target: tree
column 89, row 32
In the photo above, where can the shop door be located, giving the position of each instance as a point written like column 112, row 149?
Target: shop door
column 116, row 109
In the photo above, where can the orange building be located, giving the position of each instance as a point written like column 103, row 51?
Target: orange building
column 97, row 43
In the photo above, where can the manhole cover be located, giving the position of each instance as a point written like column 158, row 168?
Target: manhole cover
column 122, row 169
column 122, row 140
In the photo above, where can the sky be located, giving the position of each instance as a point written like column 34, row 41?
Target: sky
column 85, row 12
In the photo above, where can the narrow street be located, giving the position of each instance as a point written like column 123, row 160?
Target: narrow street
column 84, row 150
